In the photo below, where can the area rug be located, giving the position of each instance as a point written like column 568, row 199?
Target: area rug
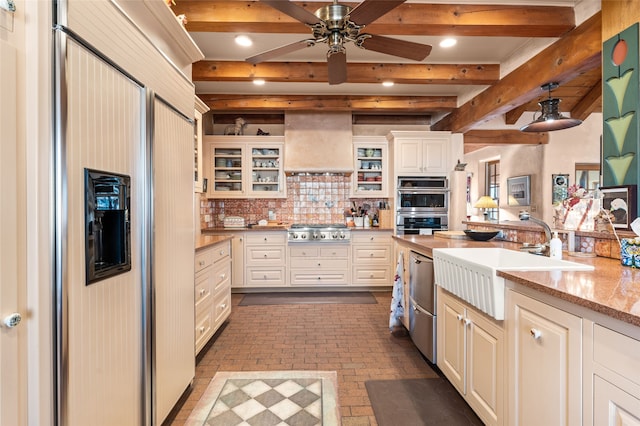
column 294, row 398
column 416, row 402
column 293, row 298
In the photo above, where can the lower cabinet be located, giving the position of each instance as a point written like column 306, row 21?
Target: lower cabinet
column 237, row 259
column 264, row 259
column 212, row 290
column 545, row 363
column 372, row 263
column 319, row 264
column 470, row 353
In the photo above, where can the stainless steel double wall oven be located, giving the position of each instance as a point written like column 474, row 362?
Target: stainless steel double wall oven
column 422, row 205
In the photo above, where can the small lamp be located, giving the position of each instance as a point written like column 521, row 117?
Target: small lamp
column 485, row 202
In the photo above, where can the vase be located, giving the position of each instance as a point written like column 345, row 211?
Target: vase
column 581, row 215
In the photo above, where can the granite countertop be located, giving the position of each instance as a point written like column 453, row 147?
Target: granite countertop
column 204, row 241
column 611, row 289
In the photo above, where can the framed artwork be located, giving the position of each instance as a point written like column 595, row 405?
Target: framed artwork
column 620, row 203
column 519, row 190
column 559, row 188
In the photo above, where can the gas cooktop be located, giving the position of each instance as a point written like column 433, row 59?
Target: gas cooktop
column 319, row 232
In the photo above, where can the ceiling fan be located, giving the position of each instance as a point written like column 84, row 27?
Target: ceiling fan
column 335, row 24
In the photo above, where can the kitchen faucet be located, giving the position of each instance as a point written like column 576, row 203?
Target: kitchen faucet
column 537, row 248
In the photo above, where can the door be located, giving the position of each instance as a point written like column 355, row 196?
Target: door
column 12, row 378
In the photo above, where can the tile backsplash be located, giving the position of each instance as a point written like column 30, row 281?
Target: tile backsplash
column 310, row 199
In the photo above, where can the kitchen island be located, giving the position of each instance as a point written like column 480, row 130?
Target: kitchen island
column 571, row 341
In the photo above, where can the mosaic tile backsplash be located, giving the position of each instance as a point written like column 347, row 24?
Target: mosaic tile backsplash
column 310, row 199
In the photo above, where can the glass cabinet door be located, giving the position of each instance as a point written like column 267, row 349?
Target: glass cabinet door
column 227, row 170
column 266, row 170
column 371, row 171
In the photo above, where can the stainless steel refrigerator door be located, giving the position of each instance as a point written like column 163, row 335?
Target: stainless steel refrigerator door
column 422, row 329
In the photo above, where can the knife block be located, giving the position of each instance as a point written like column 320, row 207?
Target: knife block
column 385, row 219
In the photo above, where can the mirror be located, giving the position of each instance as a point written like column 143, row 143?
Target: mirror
column 588, row 175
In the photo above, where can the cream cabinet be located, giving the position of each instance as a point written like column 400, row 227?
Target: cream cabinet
column 612, row 366
column 372, row 264
column 420, row 153
column 198, row 178
column 470, row 353
column 237, row 259
column 245, row 166
column 545, row 358
column 212, row 290
column 321, row 264
column 265, row 259
column 371, row 177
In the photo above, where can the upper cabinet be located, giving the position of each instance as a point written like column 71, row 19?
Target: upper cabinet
column 420, row 153
column 245, row 166
column 371, row 177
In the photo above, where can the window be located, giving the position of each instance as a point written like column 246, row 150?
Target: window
column 492, row 185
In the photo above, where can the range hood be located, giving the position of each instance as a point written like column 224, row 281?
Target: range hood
column 318, row 143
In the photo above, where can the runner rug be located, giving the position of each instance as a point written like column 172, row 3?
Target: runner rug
column 294, row 398
column 292, row 298
column 419, row 402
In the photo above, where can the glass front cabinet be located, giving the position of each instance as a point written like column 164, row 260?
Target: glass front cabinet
column 245, row 167
column 371, row 176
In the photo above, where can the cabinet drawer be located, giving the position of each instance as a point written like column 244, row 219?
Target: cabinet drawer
column 221, row 251
column 266, row 239
column 318, row 263
column 202, row 289
column 320, row 278
column 377, row 237
column 204, row 330
column 375, row 253
column 372, row 276
column 261, row 255
column 265, row 277
column 617, row 352
column 203, row 259
column 222, row 305
column 335, row 252
column 302, row 251
column 221, row 275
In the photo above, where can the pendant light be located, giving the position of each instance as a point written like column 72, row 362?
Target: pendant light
column 550, row 118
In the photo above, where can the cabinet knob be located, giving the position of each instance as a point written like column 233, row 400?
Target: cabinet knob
column 318, row 263
column 201, row 263
column 466, row 321
column 535, row 333
column 223, row 276
column 371, row 254
column 371, row 238
column 221, row 252
column 265, row 238
column 223, row 306
column 202, row 291
column 201, row 330
column 265, row 255
column 459, row 317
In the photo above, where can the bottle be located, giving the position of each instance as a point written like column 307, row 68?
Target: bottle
column 555, row 247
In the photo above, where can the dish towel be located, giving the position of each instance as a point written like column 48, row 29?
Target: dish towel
column 397, row 296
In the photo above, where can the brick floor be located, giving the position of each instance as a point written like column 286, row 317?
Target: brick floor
column 353, row 340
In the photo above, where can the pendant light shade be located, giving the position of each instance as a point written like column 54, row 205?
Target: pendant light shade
column 550, row 118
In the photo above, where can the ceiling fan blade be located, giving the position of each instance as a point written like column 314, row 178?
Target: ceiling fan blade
column 293, row 10
column 370, row 10
column 395, row 47
column 279, row 51
column 337, row 64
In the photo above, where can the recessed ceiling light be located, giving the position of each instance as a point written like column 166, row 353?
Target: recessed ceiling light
column 258, row 82
column 448, row 42
column 387, row 83
column 243, row 40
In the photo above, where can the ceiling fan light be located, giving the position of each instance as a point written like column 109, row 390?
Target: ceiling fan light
column 243, row 40
column 550, row 118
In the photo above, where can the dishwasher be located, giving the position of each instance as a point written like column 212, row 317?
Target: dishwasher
column 422, row 303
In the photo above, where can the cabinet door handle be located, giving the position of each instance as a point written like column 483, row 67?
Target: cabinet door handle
column 201, row 263
column 221, row 252
column 459, row 317
column 223, row 306
column 535, row 333
column 466, row 321
column 265, row 238
column 201, row 330
column 371, row 238
column 202, row 292
column 265, row 255
column 223, row 276
column 318, row 263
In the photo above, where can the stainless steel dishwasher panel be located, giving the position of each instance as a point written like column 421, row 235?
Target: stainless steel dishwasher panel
column 422, row 329
column 422, row 309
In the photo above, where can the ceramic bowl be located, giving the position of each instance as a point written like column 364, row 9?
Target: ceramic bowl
column 480, row 235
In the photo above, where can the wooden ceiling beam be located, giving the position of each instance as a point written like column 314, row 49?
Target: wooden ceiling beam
column 275, row 103
column 504, row 137
column 577, row 52
column 467, row 74
column 406, row 19
column 591, row 102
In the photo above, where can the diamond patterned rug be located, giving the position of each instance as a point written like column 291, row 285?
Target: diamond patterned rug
column 266, row 398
